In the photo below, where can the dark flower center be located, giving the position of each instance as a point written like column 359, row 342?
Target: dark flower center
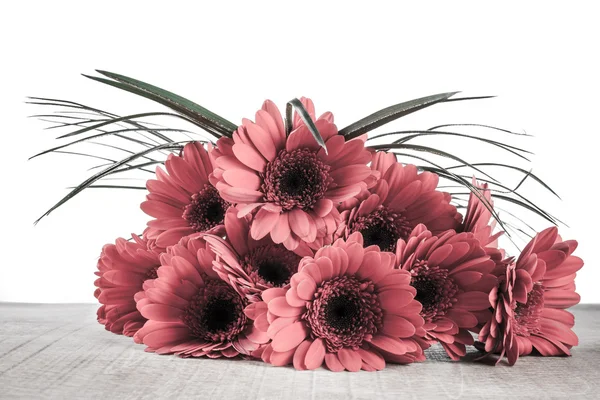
column 216, row 313
column 383, row 227
column 271, row 265
column 152, row 273
column 296, row 179
column 436, row 291
column 206, row 209
column 341, row 312
column 345, row 312
column 528, row 315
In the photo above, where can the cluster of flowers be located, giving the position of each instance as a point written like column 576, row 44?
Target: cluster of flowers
column 269, row 246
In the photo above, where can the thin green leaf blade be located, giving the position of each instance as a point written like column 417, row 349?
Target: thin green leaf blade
column 217, row 122
column 392, row 113
column 305, row 116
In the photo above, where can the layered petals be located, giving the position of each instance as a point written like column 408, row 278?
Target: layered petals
column 191, row 312
column 290, row 182
column 181, row 199
column 251, row 266
column 346, row 308
column 123, row 268
column 452, row 275
column 396, row 204
column 531, row 301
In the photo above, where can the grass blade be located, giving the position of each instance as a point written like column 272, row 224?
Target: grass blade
column 391, row 113
column 297, row 105
column 180, row 104
column 91, row 180
column 428, row 150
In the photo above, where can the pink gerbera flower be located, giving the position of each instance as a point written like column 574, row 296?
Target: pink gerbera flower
column 182, row 200
column 452, row 276
column 399, row 201
column 191, row 312
column 347, row 308
column 292, row 181
column 529, row 305
column 252, row 266
column 123, row 267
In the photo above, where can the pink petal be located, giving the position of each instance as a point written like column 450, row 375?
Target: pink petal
column 394, row 325
column 240, row 195
column 300, row 355
column 263, row 223
column 242, row 178
column 350, row 174
column 315, row 354
column 281, row 230
column 280, row 359
column 290, row 337
column 394, row 300
column 272, row 293
column 249, row 156
column 350, row 359
column 323, row 207
column 263, row 141
column 299, row 222
column 372, row 358
column 333, row 362
column 343, row 193
column 389, row 344
column 247, row 209
column 473, row 301
column 281, row 308
column 161, row 313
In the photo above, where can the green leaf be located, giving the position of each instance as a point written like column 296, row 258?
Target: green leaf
column 197, row 113
column 389, row 114
column 413, row 134
column 524, row 171
column 297, row 105
column 430, row 150
column 480, row 126
column 115, row 133
column 470, row 98
column 91, row 180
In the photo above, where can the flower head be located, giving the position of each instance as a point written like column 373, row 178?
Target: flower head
column 182, row 200
column 292, row 181
column 399, row 201
column 123, row 267
column 191, row 312
column 530, row 302
column 347, row 308
column 452, row 277
column 252, row 266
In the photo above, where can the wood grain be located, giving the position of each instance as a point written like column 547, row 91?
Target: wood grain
column 60, row 352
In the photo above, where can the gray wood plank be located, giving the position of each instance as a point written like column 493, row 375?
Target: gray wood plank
column 61, row 352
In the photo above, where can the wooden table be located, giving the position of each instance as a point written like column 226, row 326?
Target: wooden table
column 59, row 351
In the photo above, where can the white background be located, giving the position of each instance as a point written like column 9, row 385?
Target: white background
column 541, row 59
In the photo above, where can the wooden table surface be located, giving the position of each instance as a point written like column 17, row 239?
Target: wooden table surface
column 59, row 351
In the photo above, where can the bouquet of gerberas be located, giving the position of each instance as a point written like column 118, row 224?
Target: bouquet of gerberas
column 288, row 240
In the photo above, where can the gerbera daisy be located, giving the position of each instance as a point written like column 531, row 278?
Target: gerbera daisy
column 249, row 265
column 347, row 308
column 182, row 200
column 452, row 277
column 123, row 267
column 529, row 305
column 191, row 312
column 294, row 183
column 399, row 201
